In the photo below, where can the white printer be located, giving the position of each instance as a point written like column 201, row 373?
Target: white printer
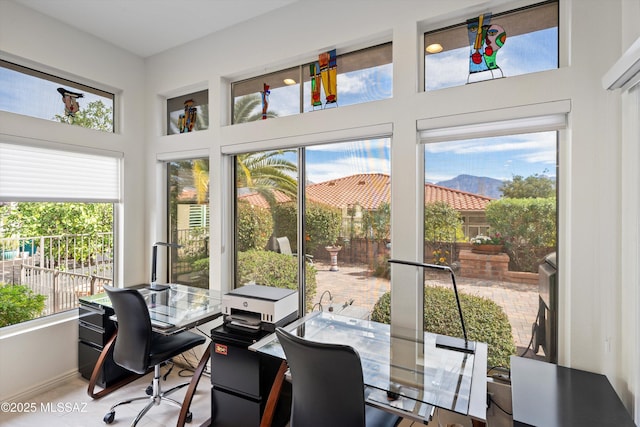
column 252, row 308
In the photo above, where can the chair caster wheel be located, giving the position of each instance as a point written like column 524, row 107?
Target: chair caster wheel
column 149, row 390
column 108, row 418
column 188, row 418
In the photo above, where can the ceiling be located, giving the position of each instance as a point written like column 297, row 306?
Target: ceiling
column 147, row 27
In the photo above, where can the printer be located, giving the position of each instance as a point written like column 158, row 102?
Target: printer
column 255, row 308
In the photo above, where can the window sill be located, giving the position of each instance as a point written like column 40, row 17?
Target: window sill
column 36, row 324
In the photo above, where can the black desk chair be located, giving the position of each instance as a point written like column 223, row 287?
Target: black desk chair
column 327, row 384
column 138, row 348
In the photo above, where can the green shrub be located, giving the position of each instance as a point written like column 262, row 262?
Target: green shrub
column 254, row 227
column 322, row 224
column 18, row 304
column 274, row 269
column 529, row 229
column 484, row 319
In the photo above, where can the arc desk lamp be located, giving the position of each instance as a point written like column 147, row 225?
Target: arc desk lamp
column 443, row 341
column 154, row 262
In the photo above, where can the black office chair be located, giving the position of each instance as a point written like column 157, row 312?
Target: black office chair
column 138, row 348
column 327, row 384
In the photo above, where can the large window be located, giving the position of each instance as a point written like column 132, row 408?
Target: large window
column 36, row 94
column 341, row 238
column 491, row 215
column 361, row 76
column 188, row 184
column 56, row 229
column 492, row 46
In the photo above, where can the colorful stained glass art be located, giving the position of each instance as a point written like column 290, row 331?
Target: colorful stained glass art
column 324, row 72
column 485, row 39
column 187, row 120
column 265, row 100
column 70, row 100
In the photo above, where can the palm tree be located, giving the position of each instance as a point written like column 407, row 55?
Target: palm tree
column 266, row 171
column 200, row 173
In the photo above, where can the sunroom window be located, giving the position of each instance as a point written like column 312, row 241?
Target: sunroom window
column 490, row 46
column 351, row 78
column 36, row 94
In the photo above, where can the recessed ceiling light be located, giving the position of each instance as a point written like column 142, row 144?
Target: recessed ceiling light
column 434, row 48
column 289, row 82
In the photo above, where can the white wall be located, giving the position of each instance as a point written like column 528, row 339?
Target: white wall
column 32, row 359
column 590, row 153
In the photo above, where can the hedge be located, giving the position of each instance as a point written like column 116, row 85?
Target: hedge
column 270, row 268
column 485, row 320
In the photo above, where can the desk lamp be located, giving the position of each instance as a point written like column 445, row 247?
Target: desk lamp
column 444, row 341
column 154, row 286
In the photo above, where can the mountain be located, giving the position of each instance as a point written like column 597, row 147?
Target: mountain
column 489, row 187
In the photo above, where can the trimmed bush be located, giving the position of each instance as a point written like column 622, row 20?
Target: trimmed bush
column 484, row 319
column 254, row 227
column 274, row 269
column 322, row 224
column 18, row 304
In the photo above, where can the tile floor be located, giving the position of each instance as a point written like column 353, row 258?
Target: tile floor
column 69, row 405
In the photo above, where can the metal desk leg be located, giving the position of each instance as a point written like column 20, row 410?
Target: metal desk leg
column 193, row 385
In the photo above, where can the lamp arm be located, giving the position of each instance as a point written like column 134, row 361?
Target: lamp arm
column 455, row 290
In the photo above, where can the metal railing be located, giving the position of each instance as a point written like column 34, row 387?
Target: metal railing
column 66, row 267
column 61, row 288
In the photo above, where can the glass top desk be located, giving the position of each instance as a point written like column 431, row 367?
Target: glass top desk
column 424, row 376
column 175, row 309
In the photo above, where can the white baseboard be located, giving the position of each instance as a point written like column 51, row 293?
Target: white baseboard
column 43, row 387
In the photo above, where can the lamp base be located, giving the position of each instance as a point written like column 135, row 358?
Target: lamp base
column 456, row 344
column 158, row 288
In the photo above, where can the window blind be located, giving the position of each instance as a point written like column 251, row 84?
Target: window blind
column 29, row 173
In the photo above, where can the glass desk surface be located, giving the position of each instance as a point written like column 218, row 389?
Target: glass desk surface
column 417, row 370
column 175, row 308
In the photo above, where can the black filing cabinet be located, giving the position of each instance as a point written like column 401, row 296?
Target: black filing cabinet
column 241, row 380
column 94, row 331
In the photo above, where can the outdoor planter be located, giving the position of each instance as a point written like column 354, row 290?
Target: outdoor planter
column 487, row 249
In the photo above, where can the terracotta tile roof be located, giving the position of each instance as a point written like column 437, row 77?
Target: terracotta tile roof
column 458, row 200
column 255, row 199
column 370, row 191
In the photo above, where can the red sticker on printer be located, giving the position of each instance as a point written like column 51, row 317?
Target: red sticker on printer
column 220, row 349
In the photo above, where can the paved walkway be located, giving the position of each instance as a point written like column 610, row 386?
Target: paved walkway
column 355, row 283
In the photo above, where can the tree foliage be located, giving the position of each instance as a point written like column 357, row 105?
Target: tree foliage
column 30, row 219
column 378, row 221
column 528, row 227
column 265, row 171
column 95, row 115
column 37, row 219
column 442, row 223
column 254, row 227
column 248, row 108
column 322, row 224
column 533, row 186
